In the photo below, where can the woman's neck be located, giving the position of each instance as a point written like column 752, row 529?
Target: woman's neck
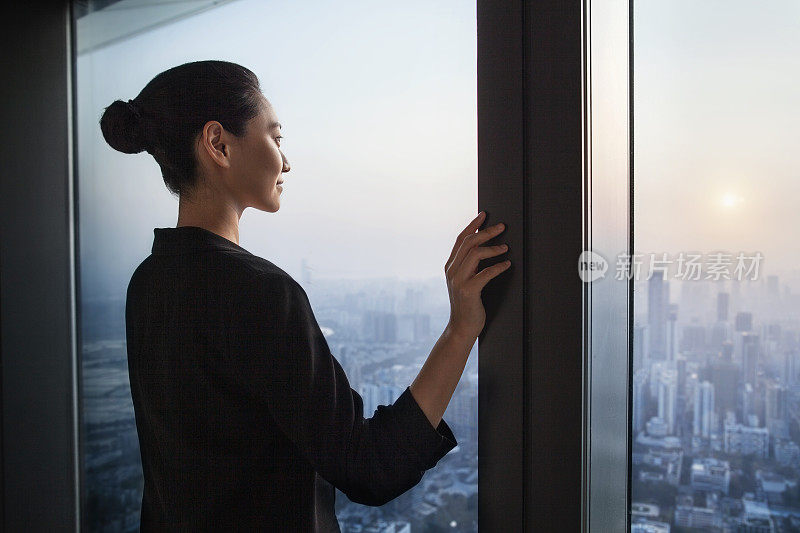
column 221, row 218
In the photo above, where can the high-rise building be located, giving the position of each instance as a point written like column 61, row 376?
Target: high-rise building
column 667, row 398
column 657, row 298
column 723, row 301
column 379, row 326
column 775, row 402
column 720, row 333
column 672, row 334
column 744, row 321
column 726, row 353
column 639, row 346
column 790, row 360
column 639, row 387
column 680, row 368
column 748, row 404
column 750, row 356
column 654, row 377
column 704, row 415
column 693, row 337
column 724, row 375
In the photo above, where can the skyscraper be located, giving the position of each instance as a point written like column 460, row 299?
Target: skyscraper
column 693, row 337
column 790, row 367
column 680, row 368
column 723, row 301
column 657, row 315
column 667, row 398
column 720, row 333
column 750, row 351
column 672, row 334
column 725, row 378
column 639, row 346
column 775, row 401
column 744, row 321
column 639, row 384
column 727, row 351
column 748, row 402
column 704, row 415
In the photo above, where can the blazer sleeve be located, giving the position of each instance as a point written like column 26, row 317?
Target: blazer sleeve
column 291, row 368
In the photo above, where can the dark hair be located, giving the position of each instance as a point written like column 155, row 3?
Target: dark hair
column 167, row 116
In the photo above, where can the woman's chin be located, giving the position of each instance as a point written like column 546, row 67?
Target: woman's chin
column 269, row 204
column 274, row 204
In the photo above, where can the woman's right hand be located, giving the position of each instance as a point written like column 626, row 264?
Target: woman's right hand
column 467, row 315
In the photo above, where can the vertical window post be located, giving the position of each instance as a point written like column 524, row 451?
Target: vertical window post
column 531, row 177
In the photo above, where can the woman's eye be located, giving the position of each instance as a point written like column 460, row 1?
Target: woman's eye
column 278, row 139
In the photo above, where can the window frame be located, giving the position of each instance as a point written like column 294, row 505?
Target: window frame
column 539, row 440
column 39, row 386
column 609, row 353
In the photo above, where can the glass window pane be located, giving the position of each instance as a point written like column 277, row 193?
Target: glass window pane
column 716, row 396
column 377, row 103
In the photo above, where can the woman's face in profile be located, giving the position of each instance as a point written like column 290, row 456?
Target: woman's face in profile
column 261, row 168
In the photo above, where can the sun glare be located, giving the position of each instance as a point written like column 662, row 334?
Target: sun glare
column 730, row 200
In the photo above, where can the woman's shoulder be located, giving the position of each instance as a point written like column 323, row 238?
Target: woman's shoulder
column 269, row 277
column 260, row 267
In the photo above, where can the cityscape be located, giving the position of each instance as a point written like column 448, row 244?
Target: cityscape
column 716, row 406
column 715, row 421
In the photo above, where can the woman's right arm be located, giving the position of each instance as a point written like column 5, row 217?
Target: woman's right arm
column 437, row 380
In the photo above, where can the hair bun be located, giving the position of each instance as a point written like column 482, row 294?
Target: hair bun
column 121, row 127
column 134, row 109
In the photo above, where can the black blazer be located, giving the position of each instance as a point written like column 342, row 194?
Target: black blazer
column 245, row 418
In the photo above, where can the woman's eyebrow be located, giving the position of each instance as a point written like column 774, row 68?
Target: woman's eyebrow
column 275, row 125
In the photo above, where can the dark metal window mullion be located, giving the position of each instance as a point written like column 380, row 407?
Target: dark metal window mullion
column 530, row 177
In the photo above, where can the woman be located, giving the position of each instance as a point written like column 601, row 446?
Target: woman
column 245, row 418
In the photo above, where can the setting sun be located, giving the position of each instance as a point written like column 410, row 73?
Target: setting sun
column 731, row 200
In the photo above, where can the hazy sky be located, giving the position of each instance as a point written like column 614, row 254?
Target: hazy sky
column 716, row 114
column 378, row 106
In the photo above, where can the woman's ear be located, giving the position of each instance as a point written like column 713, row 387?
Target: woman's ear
column 212, row 143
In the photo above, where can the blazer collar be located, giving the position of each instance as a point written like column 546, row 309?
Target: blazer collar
column 188, row 239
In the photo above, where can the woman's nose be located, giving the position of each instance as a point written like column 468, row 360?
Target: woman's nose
column 286, row 166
